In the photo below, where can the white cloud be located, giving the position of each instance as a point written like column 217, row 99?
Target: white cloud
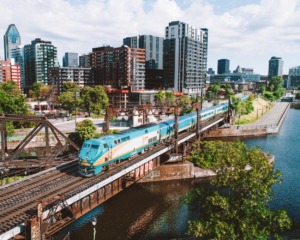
column 247, row 34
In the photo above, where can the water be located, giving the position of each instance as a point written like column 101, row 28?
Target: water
column 155, row 210
column 285, row 146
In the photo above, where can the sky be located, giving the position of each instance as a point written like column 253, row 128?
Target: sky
column 247, row 32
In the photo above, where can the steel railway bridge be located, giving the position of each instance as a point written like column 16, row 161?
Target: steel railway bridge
column 39, row 205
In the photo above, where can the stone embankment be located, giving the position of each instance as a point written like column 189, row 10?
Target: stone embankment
column 269, row 123
column 184, row 170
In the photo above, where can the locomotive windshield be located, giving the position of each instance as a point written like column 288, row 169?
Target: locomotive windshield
column 93, row 146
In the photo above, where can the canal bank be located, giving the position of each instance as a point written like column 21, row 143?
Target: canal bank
column 269, row 123
column 184, row 170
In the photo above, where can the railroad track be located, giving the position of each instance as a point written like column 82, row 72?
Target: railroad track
column 18, row 201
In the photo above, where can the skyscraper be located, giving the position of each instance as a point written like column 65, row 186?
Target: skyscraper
column 154, row 57
column 70, row 59
column 223, row 66
column 185, row 58
column 153, row 46
column 275, row 67
column 294, row 77
column 119, row 67
column 84, row 60
column 18, row 55
column 11, row 39
column 39, row 57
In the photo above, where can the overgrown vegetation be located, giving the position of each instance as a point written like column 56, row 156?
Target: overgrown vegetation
column 12, row 101
column 235, row 205
column 241, row 107
column 9, row 180
column 274, row 89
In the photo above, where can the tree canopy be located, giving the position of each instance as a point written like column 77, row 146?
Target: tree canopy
column 275, row 89
column 39, row 91
column 90, row 99
column 12, row 101
column 167, row 98
column 185, row 103
column 235, row 206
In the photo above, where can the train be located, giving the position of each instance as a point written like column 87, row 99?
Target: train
column 97, row 154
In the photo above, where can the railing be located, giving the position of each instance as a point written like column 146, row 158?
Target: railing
column 254, row 127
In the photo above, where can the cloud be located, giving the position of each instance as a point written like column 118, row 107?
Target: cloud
column 247, row 32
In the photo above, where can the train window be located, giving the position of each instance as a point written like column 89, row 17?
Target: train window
column 128, row 137
column 116, row 141
column 124, row 139
column 105, row 145
column 146, row 131
column 95, row 146
column 86, row 145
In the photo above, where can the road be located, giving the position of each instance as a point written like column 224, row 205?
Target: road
column 69, row 126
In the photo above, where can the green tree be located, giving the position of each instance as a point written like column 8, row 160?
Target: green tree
column 39, row 91
column 214, row 88
column 12, row 101
column 70, row 97
column 69, row 101
column 160, row 98
column 70, row 87
column 84, row 130
column 238, row 106
column 87, row 99
column 170, row 98
column 209, row 95
column 262, row 89
column 185, row 103
column 100, row 100
column 275, row 89
column 235, row 206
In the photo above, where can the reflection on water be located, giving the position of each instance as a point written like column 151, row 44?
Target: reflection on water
column 155, row 210
column 143, row 211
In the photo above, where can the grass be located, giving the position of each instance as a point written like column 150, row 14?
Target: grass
column 261, row 106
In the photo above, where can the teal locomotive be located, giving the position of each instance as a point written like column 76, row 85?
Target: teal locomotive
column 98, row 153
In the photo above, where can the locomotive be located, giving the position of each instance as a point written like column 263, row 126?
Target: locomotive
column 98, row 153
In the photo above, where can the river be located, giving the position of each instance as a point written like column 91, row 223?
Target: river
column 156, row 211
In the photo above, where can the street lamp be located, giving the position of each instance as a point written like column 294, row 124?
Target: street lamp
column 76, row 94
column 94, row 223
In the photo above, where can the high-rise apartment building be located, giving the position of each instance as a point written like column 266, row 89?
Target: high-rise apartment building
column 10, row 71
column 154, row 57
column 153, row 46
column 119, row 67
column 39, row 57
column 78, row 75
column 70, row 59
column 294, row 77
column 84, row 61
column 11, row 39
column 185, row 58
column 223, row 66
column 275, row 67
